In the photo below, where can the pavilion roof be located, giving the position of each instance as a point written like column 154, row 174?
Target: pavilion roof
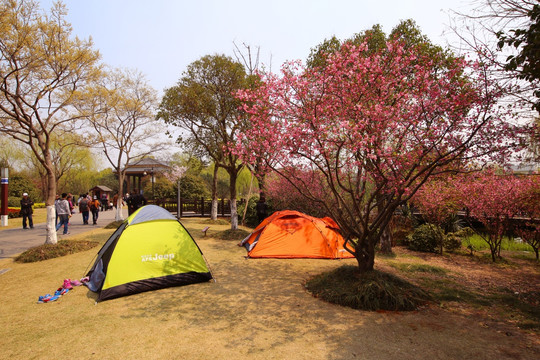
column 147, row 165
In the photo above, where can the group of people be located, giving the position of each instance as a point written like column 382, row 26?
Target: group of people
column 88, row 205
column 65, row 208
column 134, row 201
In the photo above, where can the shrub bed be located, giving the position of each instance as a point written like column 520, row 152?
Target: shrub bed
column 374, row 290
column 425, row 238
column 229, row 234
column 50, row 251
column 14, row 213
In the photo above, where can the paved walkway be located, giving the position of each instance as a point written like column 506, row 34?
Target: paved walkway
column 15, row 241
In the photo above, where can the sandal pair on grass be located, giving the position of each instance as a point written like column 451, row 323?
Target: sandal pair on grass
column 49, row 298
column 66, row 286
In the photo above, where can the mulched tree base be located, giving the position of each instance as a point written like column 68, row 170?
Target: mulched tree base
column 374, row 290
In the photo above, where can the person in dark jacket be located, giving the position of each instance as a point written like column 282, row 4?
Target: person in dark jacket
column 26, row 211
column 84, row 209
column 135, row 201
column 261, row 209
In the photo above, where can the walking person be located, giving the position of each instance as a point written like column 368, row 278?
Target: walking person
column 115, row 201
column 63, row 212
column 104, row 202
column 71, row 204
column 94, row 208
column 84, row 209
column 56, row 212
column 131, row 200
column 26, row 211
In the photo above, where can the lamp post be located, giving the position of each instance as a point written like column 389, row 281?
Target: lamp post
column 153, row 180
column 4, row 195
column 179, row 201
column 179, row 172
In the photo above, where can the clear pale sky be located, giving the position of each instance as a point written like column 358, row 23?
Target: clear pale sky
column 161, row 37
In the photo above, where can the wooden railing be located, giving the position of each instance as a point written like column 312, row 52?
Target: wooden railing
column 194, row 207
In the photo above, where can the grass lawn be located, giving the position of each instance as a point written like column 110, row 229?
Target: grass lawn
column 478, row 243
column 39, row 216
column 259, row 309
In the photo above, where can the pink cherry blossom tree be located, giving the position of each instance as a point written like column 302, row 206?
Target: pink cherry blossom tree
column 282, row 194
column 495, row 200
column 438, row 200
column 374, row 126
column 529, row 213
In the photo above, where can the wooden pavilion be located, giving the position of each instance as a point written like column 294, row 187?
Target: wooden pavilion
column 137, row 170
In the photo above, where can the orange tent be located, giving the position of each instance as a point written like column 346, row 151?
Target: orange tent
column 292, row 234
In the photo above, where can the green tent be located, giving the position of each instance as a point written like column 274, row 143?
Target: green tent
column 150, row 250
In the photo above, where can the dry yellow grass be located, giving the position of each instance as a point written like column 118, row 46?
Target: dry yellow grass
column 39, row 216
column 257, row 309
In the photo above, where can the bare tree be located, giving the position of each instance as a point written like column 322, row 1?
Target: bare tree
column 251, row 61
column 41, row 69
column 478, row 31
column 122, row 118
column 67, row 154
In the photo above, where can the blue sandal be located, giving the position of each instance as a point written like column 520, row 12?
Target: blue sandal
column 44, row 299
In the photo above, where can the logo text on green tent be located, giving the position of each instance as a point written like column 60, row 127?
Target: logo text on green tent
column 157, row 257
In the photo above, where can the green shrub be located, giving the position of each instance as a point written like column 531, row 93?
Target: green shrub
column 40, row 205
column 452, row 241
column 20, row 183
column 465, row 232
column 400, row 235
column 426, row 238
column 14, row 201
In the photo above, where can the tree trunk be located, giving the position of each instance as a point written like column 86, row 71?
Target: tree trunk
column 119, row 216
column 261, row 179
column 247, row 201
column 234, row 215
column 365, row 255
column 50, row 237
column 441, row 236
column 232, row 189
column 386, row 240
column 493, row 249
column 44, row 184
column 386, row 234
column 214, row 210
